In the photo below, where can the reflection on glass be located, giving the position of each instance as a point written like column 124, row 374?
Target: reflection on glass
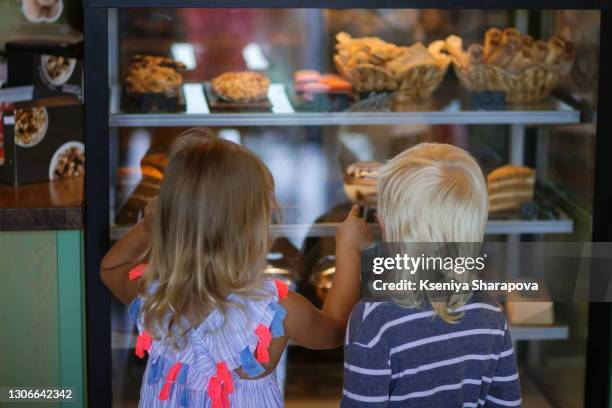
column 309, row 140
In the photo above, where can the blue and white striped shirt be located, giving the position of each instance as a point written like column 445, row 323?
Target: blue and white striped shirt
column 405, row 357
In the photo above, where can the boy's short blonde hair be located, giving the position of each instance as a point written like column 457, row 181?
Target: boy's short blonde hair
column 433, row 193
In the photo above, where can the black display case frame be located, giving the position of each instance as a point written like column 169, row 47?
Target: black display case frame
column 97, row 178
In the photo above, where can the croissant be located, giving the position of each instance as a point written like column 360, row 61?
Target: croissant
column 492, row 40
column 510, row 34
column 476, row 54
column 540, row 50
column 502, row 56
column 454, row 46
column 567, row 47
column 560, row 54
column 522, row 60
column 527, row 40
column 556, row 51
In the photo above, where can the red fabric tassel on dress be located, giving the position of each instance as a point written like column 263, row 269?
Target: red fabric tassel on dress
column 136, row 272
column 170, row 379
column 225, row 376
column 220, row 386
column 281, row 288
column 143, row 343
column 264, row 335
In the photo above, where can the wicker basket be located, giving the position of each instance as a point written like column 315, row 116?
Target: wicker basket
column 530, row 85
column 418, row 82
column 525, row 75
column 367, row 77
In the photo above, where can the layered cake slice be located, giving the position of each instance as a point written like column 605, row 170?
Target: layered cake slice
column 509, row 187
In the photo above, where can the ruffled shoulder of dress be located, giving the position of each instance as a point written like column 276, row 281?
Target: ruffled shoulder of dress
column 234, row 335
column 238, row 338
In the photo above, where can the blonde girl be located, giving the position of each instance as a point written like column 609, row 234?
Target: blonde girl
column 212, row 326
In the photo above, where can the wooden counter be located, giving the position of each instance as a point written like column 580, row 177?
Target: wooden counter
column 54, row 205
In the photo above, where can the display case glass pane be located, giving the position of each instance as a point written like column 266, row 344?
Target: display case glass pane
column 309, row 132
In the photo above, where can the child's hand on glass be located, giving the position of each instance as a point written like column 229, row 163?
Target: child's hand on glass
column 353, row 234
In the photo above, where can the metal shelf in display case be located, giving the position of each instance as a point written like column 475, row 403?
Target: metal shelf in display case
column 452, row 107
column 563, row 225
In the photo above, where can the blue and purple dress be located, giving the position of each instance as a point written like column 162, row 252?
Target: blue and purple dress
column 202, row 372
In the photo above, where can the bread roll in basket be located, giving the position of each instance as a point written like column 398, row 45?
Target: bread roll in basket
column 373, row 65
column 525, row 69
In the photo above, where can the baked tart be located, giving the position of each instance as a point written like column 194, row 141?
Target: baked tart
column 152, row 74
column 241, row 86
column 153, row 84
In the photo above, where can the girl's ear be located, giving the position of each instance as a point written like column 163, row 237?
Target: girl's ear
column 380, row 222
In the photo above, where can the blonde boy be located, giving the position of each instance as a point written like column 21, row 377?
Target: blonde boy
column 451, row 353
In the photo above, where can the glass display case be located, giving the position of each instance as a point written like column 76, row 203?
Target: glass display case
column 347, row 86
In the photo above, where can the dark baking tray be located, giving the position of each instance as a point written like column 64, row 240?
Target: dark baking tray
column 321, row 102
column 217, row 104
column 152, row 102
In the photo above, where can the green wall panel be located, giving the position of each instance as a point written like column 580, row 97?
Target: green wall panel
column 70, row 312
column 41, row 311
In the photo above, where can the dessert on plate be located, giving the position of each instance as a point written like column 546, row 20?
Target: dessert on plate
column 241, row 86
column 153, row 84
column 30, row 126
column 153, row 74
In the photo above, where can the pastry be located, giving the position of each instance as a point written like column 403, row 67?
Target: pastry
column 416, row 54
column 322, row 277
column 476, row 54
column 148, row 188
column 151, row 172
column 524, row 69
column 30, row 126
column 560, row 51
column 336, row 83
column 150, row 177
column 540, row 50
column 454, row 46
column 243, row 86
column 70, row 163
column 306, row 75
column 155, row 160
column 57, row 66
column 360, row 182
column 492, row 40
column 371, row 64
column 522, row 60
column 309, row 81
column 527, row 40
column 510, row 35
column 149, row 74
column 509, row 187
column 315, row 88
column 153, row 84
column 502, row 55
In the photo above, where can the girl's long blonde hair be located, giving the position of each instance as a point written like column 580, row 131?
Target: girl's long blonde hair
column 433, row 193
column 210, row 234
